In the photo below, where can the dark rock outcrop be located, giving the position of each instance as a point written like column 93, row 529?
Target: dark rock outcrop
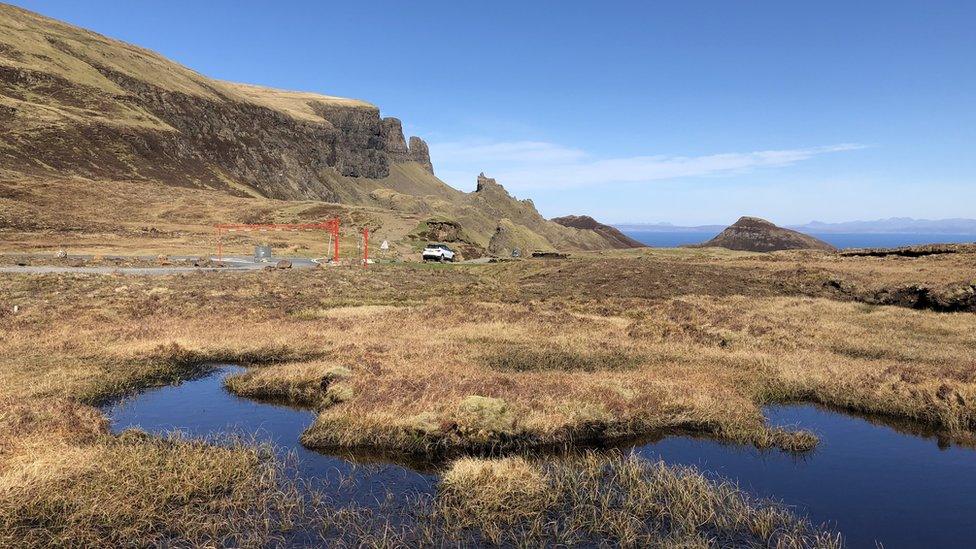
column 613, row 235
column 486, row 183
column 100, row 109
column 753, row 234
column 391, row 131
column 75, row 104
column 420, row 153
column 436, row 230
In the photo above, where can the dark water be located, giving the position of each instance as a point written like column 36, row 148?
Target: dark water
column 203, row 408
column 867, row 480
column 840, row 240
column 668, row 240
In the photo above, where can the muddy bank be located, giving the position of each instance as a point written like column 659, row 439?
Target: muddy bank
column 948, row 299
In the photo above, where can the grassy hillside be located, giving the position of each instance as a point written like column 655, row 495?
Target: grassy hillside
column 78, row 106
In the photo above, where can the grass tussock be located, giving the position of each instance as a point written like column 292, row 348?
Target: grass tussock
column 66, row 482
column 311, row 385
column 790, row 441
column 526, row 358
column 481, row 491
column 171, row 362
column 481, row 419
column 620, row 501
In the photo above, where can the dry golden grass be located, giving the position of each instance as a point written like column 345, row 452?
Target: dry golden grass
column 562, row 371
column 696, row 364
column 621, row 501
column 436, row 362
column 945, row 282
column 890, row 270
column 144, row 218
column 295, row 103
column 507, row 489
column 64, row 481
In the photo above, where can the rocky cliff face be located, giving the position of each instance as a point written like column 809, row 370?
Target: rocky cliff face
column 520, row 225
column 753, row 234
column 210, row 140
column 75, row 103
column 420, row 154
column 113, row 118
column 391, row 131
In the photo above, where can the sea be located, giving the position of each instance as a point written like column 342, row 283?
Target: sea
column 840, row 240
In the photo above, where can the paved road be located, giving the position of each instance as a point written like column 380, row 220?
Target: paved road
column 232, row 264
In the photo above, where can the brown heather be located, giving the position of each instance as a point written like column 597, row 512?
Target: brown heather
column 515, row 357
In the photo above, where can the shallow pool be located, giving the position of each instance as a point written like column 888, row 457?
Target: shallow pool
column 868, row 480
column 203, row 408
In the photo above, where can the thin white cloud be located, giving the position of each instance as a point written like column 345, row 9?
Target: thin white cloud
column 514, row 152
column 541, row 165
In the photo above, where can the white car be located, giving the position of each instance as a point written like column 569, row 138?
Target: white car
column 437, row 252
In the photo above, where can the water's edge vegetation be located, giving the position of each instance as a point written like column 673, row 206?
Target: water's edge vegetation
column 499, row 513
column 573, row 498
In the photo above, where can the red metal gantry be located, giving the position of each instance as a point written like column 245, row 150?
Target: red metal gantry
column 365, row 246
column 331, row 226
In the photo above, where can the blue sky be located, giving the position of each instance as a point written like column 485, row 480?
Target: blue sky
column 686, row 112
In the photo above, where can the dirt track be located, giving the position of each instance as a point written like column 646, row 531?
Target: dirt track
column 229, row 264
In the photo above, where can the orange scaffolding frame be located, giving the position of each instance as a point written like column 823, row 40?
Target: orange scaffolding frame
column 365, row 246
column 331, row 226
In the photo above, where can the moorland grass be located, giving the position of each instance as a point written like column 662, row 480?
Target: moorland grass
column 67, row 482
column 566, row 370
column 571, row 367
column 527, row 358
column 623, row 501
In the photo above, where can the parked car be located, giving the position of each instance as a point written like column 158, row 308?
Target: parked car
column 437, row 252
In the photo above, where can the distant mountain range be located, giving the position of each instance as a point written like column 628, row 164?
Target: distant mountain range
column 892, row 225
